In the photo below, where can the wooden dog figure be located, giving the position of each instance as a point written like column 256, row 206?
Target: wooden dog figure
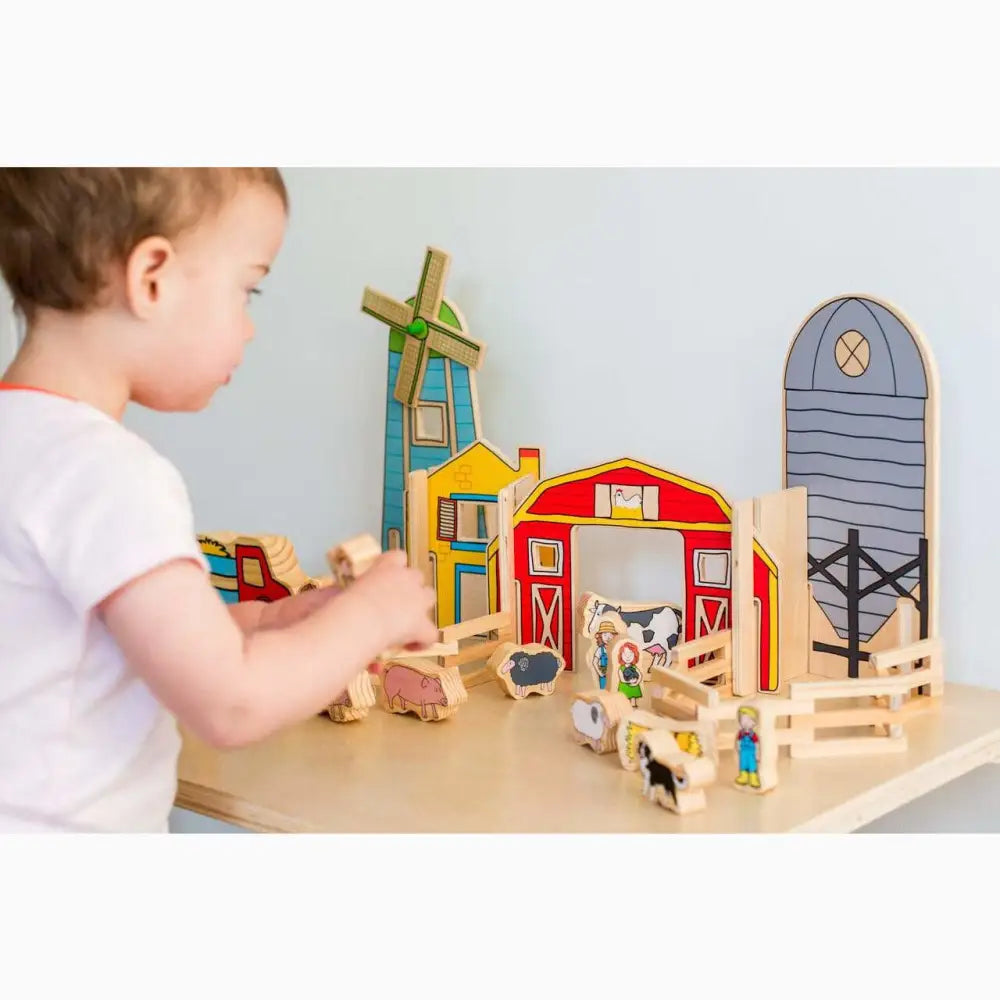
column 670, row 777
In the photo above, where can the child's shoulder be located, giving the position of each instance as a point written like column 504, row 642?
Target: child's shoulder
column 33, row 418
column 50, row 445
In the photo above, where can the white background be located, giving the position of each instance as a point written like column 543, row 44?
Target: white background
column 626, row 312
column 448, row 82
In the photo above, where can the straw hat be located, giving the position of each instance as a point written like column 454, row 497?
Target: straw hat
column 605, row 627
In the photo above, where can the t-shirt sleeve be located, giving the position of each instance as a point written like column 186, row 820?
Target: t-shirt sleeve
column 112, row 511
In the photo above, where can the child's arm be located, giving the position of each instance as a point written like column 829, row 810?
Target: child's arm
column 231, row 688
column 253, row 615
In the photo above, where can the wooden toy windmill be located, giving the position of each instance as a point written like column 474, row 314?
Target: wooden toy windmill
column 432, row 410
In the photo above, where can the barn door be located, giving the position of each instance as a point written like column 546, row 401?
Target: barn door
column 546, row 615
column 711, row 614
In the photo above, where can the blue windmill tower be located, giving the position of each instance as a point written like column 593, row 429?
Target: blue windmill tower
column 431, row 411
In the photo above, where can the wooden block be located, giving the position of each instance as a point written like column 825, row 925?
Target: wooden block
column 350, row 560
column 418, row 525
column 528, row 669
column 477, row 626
column 674, row 708
column 476, row 678
column 671, row 778
column 473, row 653
column 429, row 691
column 595, row 717
column 697, row 739
column 436, row 649
column 744, row 619
column 673, row 680
column 868, row 686
column 780, row 521
column 719, row 643
column 843, row 718
column 919, row 650
column 356, row 701
column 709, row 670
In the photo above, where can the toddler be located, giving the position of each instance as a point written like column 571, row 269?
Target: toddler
column 134, row 284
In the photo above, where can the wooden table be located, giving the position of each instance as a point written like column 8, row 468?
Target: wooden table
column 500, row 766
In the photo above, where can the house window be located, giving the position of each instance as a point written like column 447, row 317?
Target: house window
column 711, row 567
column 546, row 557
column 429, row 424
column 447, row 521
column 477, row 520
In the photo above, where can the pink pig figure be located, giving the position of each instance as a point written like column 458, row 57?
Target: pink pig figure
column 411, row 686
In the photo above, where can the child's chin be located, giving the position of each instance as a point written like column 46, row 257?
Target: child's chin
column 186, row 403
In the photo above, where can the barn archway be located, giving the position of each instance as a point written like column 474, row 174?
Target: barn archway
column 629, row 493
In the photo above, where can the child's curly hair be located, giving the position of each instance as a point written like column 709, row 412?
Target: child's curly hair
column 61, row 229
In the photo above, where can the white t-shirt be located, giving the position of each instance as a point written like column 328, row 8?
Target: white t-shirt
column 85, row 507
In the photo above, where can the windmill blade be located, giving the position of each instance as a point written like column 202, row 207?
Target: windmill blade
column 412, row 367
column 388, row 310
column 431, row 289
column 456, row 345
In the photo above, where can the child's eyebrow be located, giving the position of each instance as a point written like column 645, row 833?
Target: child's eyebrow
column 263, row 267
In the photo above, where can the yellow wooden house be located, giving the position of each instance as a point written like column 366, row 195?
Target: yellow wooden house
column 462, row 520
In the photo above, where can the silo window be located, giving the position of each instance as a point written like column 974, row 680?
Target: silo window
column 853, row 353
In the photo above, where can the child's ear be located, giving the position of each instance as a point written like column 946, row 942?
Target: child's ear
column 146, row 269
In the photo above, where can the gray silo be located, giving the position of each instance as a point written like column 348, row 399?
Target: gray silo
column 856, row 419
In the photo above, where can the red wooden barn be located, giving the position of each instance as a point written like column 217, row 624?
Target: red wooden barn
column 628, row 493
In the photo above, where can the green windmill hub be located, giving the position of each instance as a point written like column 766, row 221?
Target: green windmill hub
column 418, row 329
column 397, row 335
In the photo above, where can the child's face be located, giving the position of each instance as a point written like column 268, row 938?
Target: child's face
column 200, row 332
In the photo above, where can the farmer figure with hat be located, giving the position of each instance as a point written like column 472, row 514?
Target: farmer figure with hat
column 606, row 631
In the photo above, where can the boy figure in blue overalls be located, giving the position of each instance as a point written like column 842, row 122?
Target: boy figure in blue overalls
column 748, row 747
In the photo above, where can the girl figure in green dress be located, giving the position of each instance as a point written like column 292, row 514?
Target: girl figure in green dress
column 628, row 672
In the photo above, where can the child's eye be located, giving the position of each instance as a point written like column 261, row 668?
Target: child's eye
column 252, row 291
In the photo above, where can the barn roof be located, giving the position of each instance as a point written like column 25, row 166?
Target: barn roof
column 682, row 502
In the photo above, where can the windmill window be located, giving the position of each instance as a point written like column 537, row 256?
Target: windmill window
column 430, row 424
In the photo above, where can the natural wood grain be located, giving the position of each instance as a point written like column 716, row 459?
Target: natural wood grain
column 510, row 766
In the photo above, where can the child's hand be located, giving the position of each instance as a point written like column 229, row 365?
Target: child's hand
column 397, row 600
